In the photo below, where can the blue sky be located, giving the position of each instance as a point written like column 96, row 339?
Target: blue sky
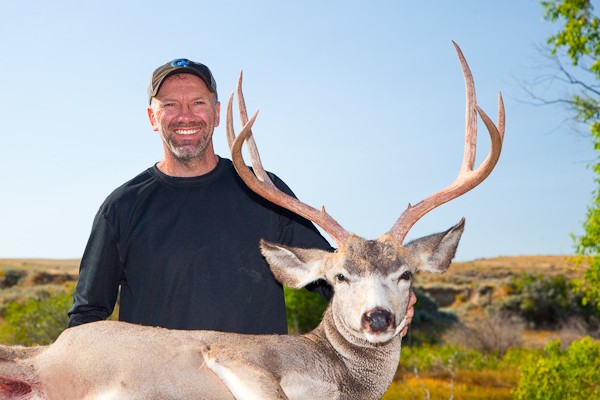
column 361, row 110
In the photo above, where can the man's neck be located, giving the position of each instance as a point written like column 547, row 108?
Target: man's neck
column 188, row 169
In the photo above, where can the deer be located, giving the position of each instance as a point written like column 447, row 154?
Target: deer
column 352, row 354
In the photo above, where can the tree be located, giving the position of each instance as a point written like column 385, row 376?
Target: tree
column 579, row 41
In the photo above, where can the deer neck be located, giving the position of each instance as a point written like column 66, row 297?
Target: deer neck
column 371, row 367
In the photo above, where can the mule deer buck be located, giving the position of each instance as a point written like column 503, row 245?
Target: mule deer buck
column 352, row 354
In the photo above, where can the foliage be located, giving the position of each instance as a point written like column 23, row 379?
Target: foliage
column 580, row 38
column 580, row 34
column 10, row 277
column 430, row 357
column 447, row 371
column 304, row 309
column 562, row 374
column 37, row 320
column 546, row 301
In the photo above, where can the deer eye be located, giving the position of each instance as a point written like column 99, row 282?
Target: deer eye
column 406, row 276
column 340, row 277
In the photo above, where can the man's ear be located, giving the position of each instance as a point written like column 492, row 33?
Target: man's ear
column 152, row 118
column 434, row 253
column 294, row 267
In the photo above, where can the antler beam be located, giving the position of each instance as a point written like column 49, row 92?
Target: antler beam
column 467, row 178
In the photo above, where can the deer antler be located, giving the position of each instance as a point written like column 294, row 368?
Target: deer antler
column 260, row 183
column 466, row 179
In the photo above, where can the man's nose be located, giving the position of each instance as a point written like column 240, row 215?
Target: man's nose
column 185, row 113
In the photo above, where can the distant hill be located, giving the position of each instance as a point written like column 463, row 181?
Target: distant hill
column 488, row 268
column 474, row 282
column 483, row 280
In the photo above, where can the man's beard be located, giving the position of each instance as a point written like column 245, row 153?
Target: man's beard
column 186, row 150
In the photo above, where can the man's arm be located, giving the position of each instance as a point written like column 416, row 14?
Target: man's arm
column 100, row 275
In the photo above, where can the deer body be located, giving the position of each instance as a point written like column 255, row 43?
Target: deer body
column 352, row 354
column 345, row 357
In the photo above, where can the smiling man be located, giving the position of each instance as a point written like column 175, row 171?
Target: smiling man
column 184, row 109
column 179, row 242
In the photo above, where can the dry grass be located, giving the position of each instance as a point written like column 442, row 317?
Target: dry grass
column 70, row 266
column 500, row 268
column 493, row 333
column 467, row 385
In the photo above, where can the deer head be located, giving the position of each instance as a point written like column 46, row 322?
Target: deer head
column 371, row 278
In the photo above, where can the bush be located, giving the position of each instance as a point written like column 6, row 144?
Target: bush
column 11, row 277
column 562, row 374
column 546, row 301
column 37, row 320
column 304, row 309
column 494, row 333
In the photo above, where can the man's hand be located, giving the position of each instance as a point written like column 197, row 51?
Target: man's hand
column 410, row 313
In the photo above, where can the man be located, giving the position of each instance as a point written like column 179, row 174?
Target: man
column 180, row 240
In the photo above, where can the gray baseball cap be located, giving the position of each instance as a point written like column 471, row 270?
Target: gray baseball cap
column 180, row 66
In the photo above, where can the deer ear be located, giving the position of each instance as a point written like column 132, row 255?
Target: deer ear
column 434, row 253
column 294, row 267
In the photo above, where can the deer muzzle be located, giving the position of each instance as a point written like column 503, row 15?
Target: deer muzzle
column 377, row 320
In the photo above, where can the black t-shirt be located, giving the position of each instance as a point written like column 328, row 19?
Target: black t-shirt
column 184, row 253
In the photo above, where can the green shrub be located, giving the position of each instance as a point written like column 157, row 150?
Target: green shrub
column 304, row 309
column 36, row 320
column 562, row 374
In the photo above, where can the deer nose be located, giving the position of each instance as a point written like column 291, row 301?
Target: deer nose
column 377, row 320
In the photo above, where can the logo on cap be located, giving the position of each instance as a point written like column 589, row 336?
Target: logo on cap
column 180, row 62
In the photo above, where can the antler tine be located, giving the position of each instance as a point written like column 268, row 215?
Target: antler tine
column 264, row 187
column 252, row 148
column 466, row 179
column 229, row 122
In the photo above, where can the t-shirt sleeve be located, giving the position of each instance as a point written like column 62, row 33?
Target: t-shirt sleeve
column 100, row 274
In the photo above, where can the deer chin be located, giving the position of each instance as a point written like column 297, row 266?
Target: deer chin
column 379, row 337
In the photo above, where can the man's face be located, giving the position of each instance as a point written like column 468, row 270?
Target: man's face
column 185, row 114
